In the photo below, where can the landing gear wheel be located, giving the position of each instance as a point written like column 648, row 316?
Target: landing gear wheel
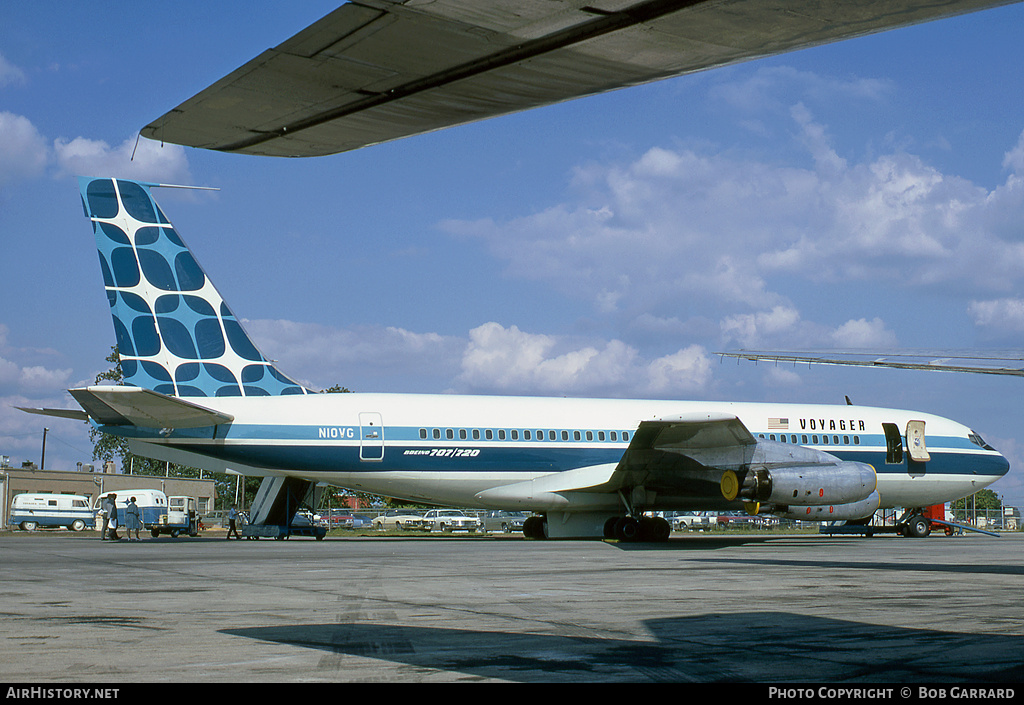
column 609, row 527
column 654, row 529
column 535, row 528
column 627, row 529
column 918, row 527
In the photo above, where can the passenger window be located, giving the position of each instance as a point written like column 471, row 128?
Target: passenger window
column 501, row 434
column 423, row 434
column 527, row 436
column 590, row 435
column 615, row 436
column 625, row 435
column 476, row 434
column 576, row 435
column 489, row 434
column 437, row 434
column 600, row 435
column 565, row 435
column 803, row 439
column 450, row 434
column 515, row 435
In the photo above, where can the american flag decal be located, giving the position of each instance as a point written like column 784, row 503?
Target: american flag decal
column 775, row 424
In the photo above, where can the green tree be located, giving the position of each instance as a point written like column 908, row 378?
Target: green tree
column 980, row 501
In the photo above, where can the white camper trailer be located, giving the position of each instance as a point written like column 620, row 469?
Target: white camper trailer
column 32, row 510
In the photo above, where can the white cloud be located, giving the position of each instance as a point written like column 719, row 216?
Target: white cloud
column 31, row 379
column 782, row 326
column 146, row 159
column 509, row 360
column 26, row 154
column 23, row 151
column 10, row 75
column 863, row 333
column 752, row 330
column 679, row 233
column 1000, row 315
column 322, row 356
column 1014, row 159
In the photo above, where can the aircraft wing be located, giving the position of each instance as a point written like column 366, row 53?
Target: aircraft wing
column 377, row 70
column 934, row 362
column 143, row 407
column 682, row 453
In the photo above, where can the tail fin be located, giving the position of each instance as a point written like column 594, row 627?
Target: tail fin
column 174, row 332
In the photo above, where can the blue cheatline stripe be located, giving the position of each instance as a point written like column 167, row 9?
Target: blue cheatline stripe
column 537, row 457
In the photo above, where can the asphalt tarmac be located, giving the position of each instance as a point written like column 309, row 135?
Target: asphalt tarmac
column 699, row 608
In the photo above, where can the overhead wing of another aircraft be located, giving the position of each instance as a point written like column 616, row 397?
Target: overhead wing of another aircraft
column 934, row 361
column 378, row 70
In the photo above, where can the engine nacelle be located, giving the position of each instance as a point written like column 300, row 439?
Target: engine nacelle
column 839, row 483
column 834, row 512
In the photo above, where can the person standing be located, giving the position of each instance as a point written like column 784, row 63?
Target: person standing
column 233, row 523
column 112, row 514
column 132, row 520
column 105, row 514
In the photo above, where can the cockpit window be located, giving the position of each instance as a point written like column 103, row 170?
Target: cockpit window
column 979, row 441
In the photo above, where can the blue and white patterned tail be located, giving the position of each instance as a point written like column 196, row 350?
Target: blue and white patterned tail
column 175, row 334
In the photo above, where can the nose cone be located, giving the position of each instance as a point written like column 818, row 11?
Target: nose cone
column 1001, row 465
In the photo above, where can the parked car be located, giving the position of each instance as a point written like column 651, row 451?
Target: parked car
column 346, row 521
column 504, row 521
column 450, row 520
column 398, row 519
column 693, row 521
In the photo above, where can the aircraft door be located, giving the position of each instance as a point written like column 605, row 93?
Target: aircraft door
column 917, row 449
column 893, row 444
column 371, row 436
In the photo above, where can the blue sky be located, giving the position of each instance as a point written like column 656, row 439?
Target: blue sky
column 868, row 193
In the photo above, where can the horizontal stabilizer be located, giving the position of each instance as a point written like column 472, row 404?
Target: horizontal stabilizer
column 75, row 414
column 143, row 407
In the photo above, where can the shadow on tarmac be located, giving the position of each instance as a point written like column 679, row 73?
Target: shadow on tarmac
column 756, row 647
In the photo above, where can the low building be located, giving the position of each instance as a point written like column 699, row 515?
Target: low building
column 14, row 481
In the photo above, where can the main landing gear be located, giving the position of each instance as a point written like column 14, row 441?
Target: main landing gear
column 628, row 528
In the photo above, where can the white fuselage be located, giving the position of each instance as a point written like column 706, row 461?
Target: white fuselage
column 446, row 449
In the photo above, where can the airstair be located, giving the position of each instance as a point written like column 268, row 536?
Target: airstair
column 273, row 512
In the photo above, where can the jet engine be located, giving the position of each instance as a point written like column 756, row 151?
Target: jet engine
column 832, row 512
column 838, row 483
